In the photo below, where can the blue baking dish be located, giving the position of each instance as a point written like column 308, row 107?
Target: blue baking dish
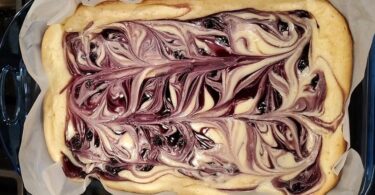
column 18, row 91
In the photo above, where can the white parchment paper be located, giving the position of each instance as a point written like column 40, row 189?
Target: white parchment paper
column 42, row 176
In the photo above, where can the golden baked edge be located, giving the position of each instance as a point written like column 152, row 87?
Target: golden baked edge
column 332, row 41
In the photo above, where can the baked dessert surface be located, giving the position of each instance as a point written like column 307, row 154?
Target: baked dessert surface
column 298, row 52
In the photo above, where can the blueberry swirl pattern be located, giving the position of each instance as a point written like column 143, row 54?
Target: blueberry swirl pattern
column 211, row 98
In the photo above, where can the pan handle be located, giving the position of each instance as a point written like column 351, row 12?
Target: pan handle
column 9, row 83
column 12, row 112
column 368, row 156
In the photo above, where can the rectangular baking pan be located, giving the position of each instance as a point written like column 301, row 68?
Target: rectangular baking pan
column 18, row 91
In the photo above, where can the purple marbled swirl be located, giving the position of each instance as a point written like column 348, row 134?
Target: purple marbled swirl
column 210, row 98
